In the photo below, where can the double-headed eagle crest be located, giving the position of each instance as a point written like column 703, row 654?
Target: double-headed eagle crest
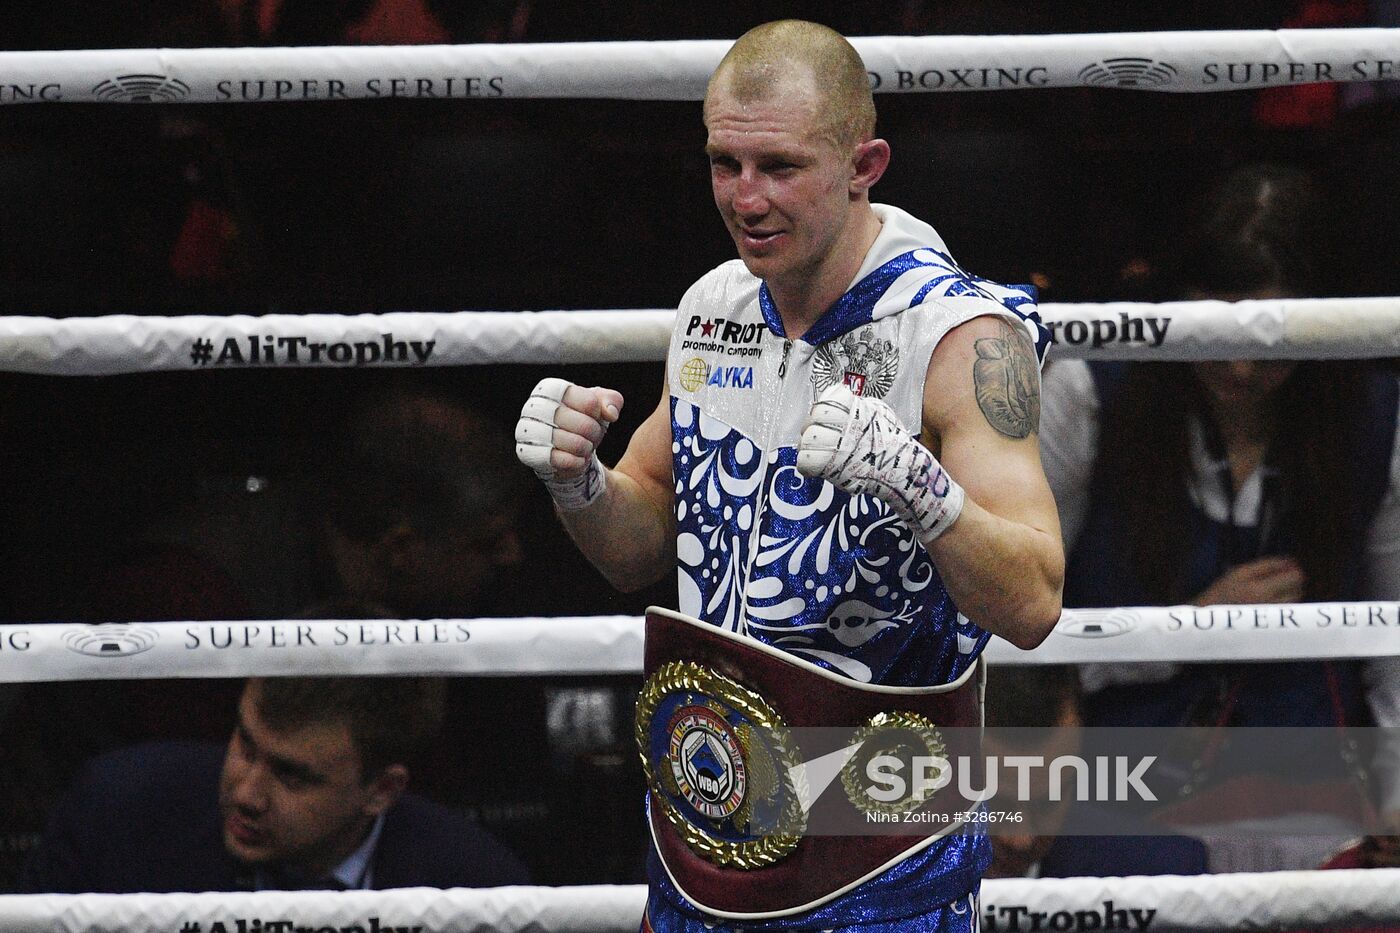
column 864, row 362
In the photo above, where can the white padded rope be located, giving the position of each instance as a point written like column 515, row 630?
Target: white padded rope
column 678, row 70
column 1274, row 900
column 613, row 644
column 582, row 909
column 1319, row 328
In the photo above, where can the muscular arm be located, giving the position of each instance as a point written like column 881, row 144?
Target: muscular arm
column 629, row 532
column 1002, row 560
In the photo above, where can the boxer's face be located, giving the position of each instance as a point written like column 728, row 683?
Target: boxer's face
column 782, row 188
column 295, row 797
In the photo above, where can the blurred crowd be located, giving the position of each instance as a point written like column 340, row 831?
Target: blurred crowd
column 275, row 494
column 440, row 204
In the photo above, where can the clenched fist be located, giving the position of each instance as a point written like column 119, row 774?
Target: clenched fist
column 859, row 445
column 557, row 436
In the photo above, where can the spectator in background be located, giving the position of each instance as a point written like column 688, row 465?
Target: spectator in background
column 421, row 506
column 1036, row 711
column 421, row 518
column 309, row 793
column 1239, row 481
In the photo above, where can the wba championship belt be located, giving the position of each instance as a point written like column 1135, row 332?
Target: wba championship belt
column 739, row 821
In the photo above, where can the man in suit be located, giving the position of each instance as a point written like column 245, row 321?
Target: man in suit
column 309, row 793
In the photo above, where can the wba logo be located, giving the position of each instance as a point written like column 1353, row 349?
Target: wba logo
column 731, row 377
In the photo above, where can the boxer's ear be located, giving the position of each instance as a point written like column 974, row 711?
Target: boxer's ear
column 869, row 161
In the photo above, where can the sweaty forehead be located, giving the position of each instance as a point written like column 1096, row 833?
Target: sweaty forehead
column 788, row 107
column 791, row 92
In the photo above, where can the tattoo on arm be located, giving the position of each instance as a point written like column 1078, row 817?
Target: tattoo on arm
column 1006, row 382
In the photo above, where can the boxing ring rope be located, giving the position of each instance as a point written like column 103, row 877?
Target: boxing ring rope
column 1256, row 901
column 678, row 70
column 54, row 651
column 1318, row 328
column 1163, row 61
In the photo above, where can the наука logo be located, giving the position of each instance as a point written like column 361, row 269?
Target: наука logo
column 111, row 641
column 142, row 89
column 1129, row 72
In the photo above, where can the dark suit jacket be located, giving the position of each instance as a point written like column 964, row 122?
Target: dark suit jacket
column 147, row 819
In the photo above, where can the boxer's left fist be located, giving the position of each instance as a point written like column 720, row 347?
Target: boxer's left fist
column 859, row 445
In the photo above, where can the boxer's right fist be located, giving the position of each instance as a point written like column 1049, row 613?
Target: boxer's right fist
column 557, row 436
column 859, row 445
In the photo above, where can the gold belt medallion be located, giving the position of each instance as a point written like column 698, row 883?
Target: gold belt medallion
column 721, row 764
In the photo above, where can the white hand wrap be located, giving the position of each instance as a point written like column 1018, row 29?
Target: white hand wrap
column 859, row 445
column 534, row 442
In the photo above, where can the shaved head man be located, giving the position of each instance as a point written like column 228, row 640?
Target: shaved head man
column 843, row 473
column 791, row 51
column 792, row 99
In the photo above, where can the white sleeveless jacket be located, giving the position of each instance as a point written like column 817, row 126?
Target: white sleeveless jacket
column 796, row 562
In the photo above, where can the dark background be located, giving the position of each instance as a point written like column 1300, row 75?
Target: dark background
column 366, row 206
